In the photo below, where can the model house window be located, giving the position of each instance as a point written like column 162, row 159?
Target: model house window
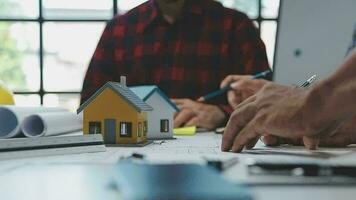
column 94, row 127
column 125, row 129
column 139, row 129
column 164, row 125
column 145, row 128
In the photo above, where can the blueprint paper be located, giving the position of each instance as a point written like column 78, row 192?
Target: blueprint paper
column 51, row 123
column 11, row 118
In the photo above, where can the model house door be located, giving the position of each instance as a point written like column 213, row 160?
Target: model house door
column 110, row 131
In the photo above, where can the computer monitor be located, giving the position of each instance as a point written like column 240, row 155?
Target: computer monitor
column 313, row 38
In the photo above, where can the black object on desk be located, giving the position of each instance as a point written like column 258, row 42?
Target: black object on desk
column 175, row 181
column 302, row 169
column 221, row 165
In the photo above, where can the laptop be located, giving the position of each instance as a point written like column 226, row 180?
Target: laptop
column 313, row 38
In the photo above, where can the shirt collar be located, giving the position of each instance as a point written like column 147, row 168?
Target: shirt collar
column 151, row 10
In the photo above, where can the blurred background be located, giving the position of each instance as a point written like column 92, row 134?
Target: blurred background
column 46, row 45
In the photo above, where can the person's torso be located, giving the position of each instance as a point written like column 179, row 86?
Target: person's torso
column 187, row 59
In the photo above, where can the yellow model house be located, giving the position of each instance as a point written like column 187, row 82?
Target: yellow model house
column 117, row 113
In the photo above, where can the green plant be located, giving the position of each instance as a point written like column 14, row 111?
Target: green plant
column 10, row 57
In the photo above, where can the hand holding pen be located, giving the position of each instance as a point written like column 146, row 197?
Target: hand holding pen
column 244, row 87
column 238, row 87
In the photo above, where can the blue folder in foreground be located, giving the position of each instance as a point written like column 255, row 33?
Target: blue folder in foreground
column 138, row 181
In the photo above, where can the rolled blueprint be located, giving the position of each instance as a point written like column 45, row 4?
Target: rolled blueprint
column 52, row 123
column 12, row 116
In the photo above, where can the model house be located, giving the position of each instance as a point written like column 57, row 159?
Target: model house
column 160, row 119
column 117, row 113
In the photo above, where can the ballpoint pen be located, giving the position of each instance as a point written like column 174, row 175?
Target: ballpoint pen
column 309, row 81
column 228, row 87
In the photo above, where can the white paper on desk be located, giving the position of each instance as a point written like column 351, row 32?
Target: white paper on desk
column 52, row 123
column 11, row 118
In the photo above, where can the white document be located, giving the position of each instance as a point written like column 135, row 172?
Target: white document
column 11, row 118
column 50, row 123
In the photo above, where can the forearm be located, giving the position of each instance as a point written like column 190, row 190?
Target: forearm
column 341, row 88
column 345, row 73
column 333, row 99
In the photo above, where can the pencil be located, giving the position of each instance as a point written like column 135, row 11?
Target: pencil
column 228, row 87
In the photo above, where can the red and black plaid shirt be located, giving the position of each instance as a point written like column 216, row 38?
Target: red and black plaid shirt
column 186, row 59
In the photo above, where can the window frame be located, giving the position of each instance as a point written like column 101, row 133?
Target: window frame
column 128, row 128
column 97, row 127
column 115, row 11
column 164, row 124
column 145, row 127
column 139, row 129
column 41, row 20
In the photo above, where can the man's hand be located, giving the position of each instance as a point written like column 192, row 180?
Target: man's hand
column 276, row 110
column 243, row 87
column 198, row 114
column 344, row 136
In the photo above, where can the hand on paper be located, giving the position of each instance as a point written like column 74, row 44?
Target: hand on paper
column 243, row 87
column 276, row 110
column 344, row 136
column 202, row 115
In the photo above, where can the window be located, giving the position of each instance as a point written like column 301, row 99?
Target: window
column 265, row 15
column 94, row 127
column 139, row 129
column 46, row 45
column 125, row 129
column 164, row 125
column 145, row 128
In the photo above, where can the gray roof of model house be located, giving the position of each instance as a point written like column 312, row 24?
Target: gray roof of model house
column 130, row 97
column 146, row 91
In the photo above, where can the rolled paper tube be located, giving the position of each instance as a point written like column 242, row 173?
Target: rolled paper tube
column 12, row 116
column 49, row 124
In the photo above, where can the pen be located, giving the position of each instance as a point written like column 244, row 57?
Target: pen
column 309, row 81
column 228, row 87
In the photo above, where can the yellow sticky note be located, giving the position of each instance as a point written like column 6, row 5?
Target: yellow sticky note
column 191, row 130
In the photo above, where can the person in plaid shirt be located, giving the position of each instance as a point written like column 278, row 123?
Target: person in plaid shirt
column 185, row 48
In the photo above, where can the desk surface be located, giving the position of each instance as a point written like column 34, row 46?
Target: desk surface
column 40, row 178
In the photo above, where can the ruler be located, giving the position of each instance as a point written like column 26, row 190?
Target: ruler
column 55, row 145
